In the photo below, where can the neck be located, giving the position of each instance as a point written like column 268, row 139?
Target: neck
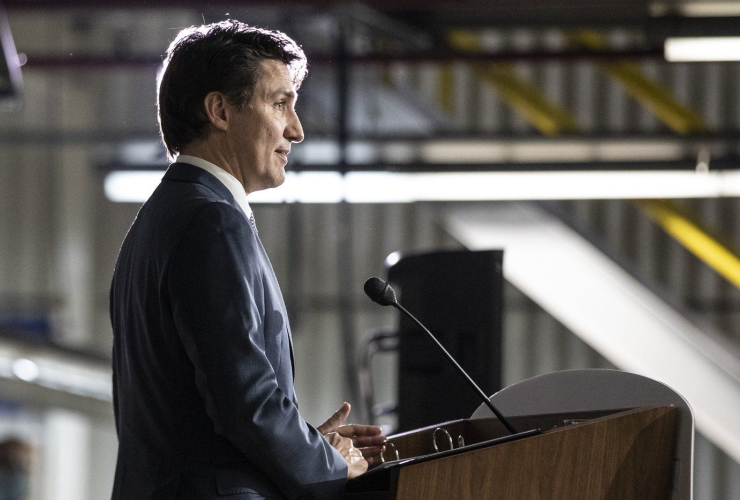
column 214, row 155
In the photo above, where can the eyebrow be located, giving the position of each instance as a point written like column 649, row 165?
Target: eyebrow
column 284, row 92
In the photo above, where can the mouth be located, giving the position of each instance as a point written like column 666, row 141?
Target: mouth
column 283, row 153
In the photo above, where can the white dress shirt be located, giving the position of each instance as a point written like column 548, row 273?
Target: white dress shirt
column 228, row 180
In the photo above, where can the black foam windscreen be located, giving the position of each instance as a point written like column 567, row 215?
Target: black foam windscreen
column 380, row 291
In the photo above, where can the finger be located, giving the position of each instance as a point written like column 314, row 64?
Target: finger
column 370, row 451
column 359, row 430
column 372, row 460
column 361, row 442
column 335, row 420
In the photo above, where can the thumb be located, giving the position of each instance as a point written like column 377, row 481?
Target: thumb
column 335, row 420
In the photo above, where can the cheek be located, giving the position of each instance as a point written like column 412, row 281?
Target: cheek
column 268, row 139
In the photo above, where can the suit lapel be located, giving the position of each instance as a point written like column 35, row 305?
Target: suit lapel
column 290, row 341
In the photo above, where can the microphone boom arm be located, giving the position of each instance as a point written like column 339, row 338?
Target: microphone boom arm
column 459, row 368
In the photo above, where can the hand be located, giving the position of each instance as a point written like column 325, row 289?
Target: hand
column 367, row 438
column 356, row 465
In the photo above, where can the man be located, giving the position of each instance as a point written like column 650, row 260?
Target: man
column 202, row 357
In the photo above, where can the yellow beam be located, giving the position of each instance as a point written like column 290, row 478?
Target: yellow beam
column 386, row 75
column 687, row 231
column 447, row 88
column 645, row 90
column 528, row 100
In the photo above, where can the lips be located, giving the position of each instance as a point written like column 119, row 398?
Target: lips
column 283, row 152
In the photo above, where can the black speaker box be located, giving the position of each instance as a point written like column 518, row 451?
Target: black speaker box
column 459, row 296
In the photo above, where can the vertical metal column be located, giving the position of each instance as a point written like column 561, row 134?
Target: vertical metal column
column 296, row 296
column 344, row 241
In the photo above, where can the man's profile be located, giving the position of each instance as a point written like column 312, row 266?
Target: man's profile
column 202, row 358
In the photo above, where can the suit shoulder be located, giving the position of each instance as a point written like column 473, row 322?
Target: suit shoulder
column 216, row 214
column 217, row 236
column 217, row 224
column 177, row 203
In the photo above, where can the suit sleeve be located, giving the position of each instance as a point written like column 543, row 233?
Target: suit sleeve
column 216, row 292
column 114, row 356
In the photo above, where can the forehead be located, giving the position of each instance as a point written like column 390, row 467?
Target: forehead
column 274, row 77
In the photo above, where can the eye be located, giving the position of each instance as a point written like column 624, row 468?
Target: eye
column 280, row 104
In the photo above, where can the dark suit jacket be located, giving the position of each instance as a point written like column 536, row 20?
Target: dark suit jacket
column 202, row 358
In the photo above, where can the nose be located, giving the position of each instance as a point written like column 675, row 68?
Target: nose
column 293, row 130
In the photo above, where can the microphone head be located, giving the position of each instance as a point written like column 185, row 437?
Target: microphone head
column 380, row 291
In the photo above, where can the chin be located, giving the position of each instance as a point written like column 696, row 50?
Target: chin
column 279, row 177
column 279, row 180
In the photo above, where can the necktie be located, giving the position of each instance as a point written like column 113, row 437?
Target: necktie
column 251, row 221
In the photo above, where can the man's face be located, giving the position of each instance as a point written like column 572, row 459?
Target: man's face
column 263, row 132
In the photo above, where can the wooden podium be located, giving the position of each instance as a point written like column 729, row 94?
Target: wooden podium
column 635, row 452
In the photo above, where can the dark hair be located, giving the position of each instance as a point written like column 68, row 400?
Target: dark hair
column 223, row 57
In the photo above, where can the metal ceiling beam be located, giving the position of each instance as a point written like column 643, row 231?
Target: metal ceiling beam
column 725, row 164
column 474, row 13
column 657, row 19
column 692, row 142
column 383, row 26
column 462, row 12
column 459, row 153
column 95, row 62
column 151, row 4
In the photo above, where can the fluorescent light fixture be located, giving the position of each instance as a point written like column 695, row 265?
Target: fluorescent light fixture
column 304, row 187
column 464, row 152
column 25, row 369
column 381, row 187
column 392, row 187
column 701, row 49
column 701, row 8
column 56, row 372
column 535, row 151
column 483, row 151
column 131, row 186
column 317, row 151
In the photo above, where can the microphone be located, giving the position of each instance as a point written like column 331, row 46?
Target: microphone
column 381, row 292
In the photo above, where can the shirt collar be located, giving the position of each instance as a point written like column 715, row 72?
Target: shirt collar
column 228, row 180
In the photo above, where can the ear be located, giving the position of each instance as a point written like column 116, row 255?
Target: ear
column 215, row 105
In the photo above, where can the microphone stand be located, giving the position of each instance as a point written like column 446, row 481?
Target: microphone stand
column 459, row 368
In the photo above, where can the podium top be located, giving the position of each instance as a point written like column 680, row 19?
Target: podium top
column 594, row 390
column 568, row 455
